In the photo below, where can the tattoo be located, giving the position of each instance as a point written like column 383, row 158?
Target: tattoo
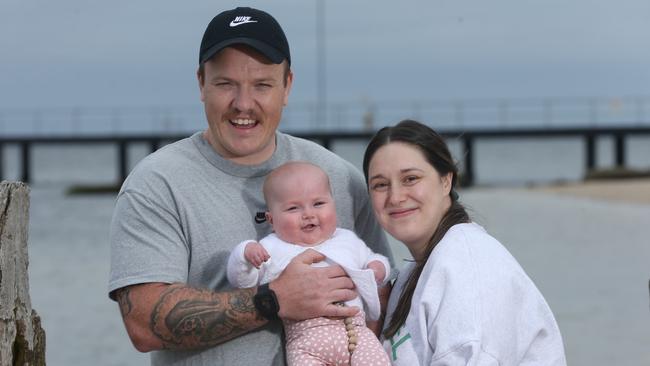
column 124, row 301
column 186, row 317
column 242, row 302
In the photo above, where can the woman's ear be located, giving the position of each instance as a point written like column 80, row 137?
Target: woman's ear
column 446, row 182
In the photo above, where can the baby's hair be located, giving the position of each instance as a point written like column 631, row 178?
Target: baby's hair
column 284, row 170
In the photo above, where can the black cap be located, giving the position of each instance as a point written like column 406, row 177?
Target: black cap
column 252, row 27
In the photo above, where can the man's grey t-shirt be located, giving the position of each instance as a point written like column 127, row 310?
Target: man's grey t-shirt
column 182, row 210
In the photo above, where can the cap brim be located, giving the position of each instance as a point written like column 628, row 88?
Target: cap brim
column 267, row 51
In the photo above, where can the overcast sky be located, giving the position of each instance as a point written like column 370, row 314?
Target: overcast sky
column 113, row 53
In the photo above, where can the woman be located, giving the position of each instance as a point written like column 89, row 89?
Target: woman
column 464, row 300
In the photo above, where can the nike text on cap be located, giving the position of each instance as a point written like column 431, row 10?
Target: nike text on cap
column 252, row 27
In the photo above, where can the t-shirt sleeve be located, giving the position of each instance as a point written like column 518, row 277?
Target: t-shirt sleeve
column 147, row 241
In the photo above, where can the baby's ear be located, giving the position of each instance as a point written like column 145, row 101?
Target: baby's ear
column 269, row 217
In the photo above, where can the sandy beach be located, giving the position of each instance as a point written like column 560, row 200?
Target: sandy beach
column 587, row 248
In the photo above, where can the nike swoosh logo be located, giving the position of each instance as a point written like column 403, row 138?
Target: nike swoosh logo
column 236, row 23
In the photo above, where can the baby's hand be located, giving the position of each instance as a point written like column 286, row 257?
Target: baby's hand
column 379, row 270
column 255, row 254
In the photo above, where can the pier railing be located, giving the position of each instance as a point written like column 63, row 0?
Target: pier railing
column 468, row 137
column 466, row 120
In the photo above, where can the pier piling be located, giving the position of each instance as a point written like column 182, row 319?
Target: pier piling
column 328, row 139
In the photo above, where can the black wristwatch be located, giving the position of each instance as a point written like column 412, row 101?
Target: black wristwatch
column 266, row 303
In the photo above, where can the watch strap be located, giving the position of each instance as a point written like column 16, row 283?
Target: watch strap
column 266, row 302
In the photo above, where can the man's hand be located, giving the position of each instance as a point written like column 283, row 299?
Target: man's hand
column 306, row 292
column 255, row 254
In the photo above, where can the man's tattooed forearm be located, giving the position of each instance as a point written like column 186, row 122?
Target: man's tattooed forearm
column 124, row 301
column 242, row 301
column 186, row 317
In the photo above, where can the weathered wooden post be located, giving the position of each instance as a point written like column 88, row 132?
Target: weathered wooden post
column 22, row 340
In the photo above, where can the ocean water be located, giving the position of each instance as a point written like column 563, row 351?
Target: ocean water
column 589, row 258
column 522, row 161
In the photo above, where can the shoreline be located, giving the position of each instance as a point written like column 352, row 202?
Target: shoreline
column 629, row 190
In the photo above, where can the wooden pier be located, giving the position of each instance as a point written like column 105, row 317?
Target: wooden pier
column 468, row 139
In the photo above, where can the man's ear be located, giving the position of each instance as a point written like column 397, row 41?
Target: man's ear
column 200, row 77
column 287, row 89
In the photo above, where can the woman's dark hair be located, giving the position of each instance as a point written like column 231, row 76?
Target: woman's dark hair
column 436, row 152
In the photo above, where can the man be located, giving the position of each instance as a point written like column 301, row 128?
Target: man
column 182, row 210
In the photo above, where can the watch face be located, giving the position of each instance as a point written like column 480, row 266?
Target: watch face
column 266, row 302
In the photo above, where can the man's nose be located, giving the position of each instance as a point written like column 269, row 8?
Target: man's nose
column 243, row 100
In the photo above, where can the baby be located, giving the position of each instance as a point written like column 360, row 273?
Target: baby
column 302, row 213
